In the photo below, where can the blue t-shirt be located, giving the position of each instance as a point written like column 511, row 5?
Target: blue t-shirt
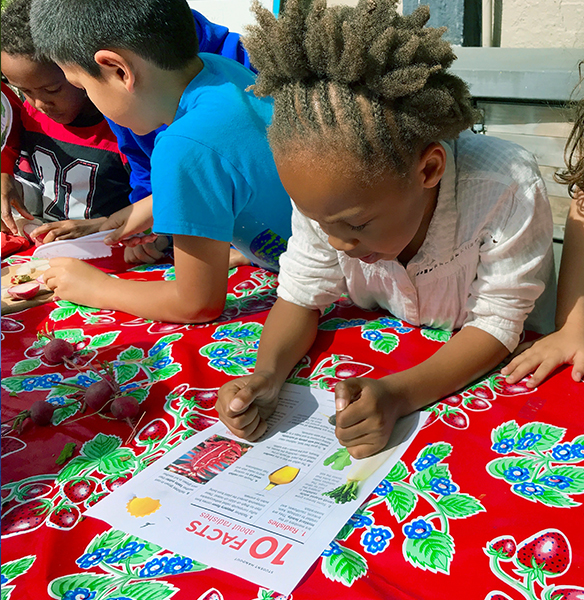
column 213, row 173
column 138, row 148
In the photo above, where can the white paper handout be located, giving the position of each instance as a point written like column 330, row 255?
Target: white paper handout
column 264, row 511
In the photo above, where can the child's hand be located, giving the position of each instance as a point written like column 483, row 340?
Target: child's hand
column 147, row 253
column 244, row 404
column 130, row 221
column 565, row 346
column 65, row 230
column 74, row 280
column 367, row 410
column 12, row 197
column 237, row 259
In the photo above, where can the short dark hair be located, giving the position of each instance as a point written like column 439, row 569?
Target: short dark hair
column 16, row 38
column 72, row 31
column 361, row 78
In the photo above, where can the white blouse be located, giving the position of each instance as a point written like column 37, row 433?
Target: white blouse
column 486, row 259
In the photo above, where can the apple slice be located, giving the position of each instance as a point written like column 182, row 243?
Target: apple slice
column 24, row 291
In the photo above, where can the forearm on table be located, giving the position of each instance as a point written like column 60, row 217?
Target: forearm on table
column 570, row 308
column 469, row 354
column 288, row 334
column 157, row 300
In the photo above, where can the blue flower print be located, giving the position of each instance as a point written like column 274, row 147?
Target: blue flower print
column 418, row 530
column 376, row 539
column 256, row 344
column 558, row 481
column 246, row 361
column 163, row 362
column 178, row 564
column 92, row 558
column 220, row 363
column 396, row 325
column 528, row 440
column 443, row 485
column 426, row 461
column 157, row 348
column 359, row 520
column 334, row 548
column 242, row 333
column 383, row 488
column 504, row 446
column 219, row 352
column 3, row 579
column 129, row 386
column 154, row 567
column 516, row 474
column 78, row 594
column 351, row 323
column 577, row 450
column 221, row 335
column 529, row 489
column 562, row 452
column 121, row 554
column 29, row 383
column 85, row 381
column 372, row 336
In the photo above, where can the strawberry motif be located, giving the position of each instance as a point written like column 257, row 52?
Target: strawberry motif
column 455, row 418
column 454, row 400
column 505, row 547
column 244, row 286
column 112, row 484
column 211, row 594
column 431, row 418
column 78, row 490
column 497, row 596
column 25, row 517
column 200, row 422
column 503, row 388
column 64, row 517
column 157, row 327
column 344, row 370
column 483, row 391
column 477, row 404
column 548, row 550
column 567, row 593
column 204, row 399
column 34, row 490
column 10, row 445
column 155, row 430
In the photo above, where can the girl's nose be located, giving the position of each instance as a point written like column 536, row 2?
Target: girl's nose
column 342, row 245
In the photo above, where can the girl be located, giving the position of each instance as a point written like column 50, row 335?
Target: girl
column 566, row 344
column 445, row 234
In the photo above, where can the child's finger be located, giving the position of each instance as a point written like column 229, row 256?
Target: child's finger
column 544, row 369
column 244, row 397
column 578, row 369
column 345, row 392
column 520, row 367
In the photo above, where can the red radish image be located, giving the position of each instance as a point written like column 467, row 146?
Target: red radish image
column 208, row 459
column 548, row 550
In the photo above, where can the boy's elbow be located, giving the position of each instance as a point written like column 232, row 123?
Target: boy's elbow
column 201, row 314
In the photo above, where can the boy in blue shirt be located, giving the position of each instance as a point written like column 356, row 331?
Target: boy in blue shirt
column 213, row 175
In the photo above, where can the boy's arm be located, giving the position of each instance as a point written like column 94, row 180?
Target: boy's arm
column 245, row 403
column 197, row 295
column 566, row 345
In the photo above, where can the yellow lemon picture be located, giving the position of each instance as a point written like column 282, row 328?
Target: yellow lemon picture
column 141, row 507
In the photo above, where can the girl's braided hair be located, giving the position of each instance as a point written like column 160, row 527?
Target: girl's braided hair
column 363, row 78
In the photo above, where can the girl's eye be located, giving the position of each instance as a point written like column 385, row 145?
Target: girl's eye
column 357, row 227
column 53, row 91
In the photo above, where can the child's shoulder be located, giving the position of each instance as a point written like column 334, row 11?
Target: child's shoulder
column 491, row 158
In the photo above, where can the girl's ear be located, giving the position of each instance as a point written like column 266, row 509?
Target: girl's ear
column 432, row 164
column 116, row 68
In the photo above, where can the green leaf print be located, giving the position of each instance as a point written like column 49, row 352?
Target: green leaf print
column 62, row 313
column 550, row 435
column 117, row 462
column 460, row 506
column 388, row 343
column 498, row 466
column 504, row 432
column 103, row 339
column 166, row 372
column 101, row 445
column 436, row 335
column 13, row 569
column 401, row 502
column 441, row 450
column 433, row 553
column 422, row 479
column 346, row 567
column 555, row 498
column 576, row 474
column 26, row 366
column 131, row 353
column 125, row 373
column 398, row 472
column 94, row 583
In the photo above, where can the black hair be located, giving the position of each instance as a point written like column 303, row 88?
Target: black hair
column 72, row 31
column 16, row 38
column 364, row 78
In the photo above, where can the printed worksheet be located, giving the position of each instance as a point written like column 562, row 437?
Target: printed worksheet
column 264, row 511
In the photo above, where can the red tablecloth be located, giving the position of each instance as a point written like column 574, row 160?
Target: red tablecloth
column 486, row 503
